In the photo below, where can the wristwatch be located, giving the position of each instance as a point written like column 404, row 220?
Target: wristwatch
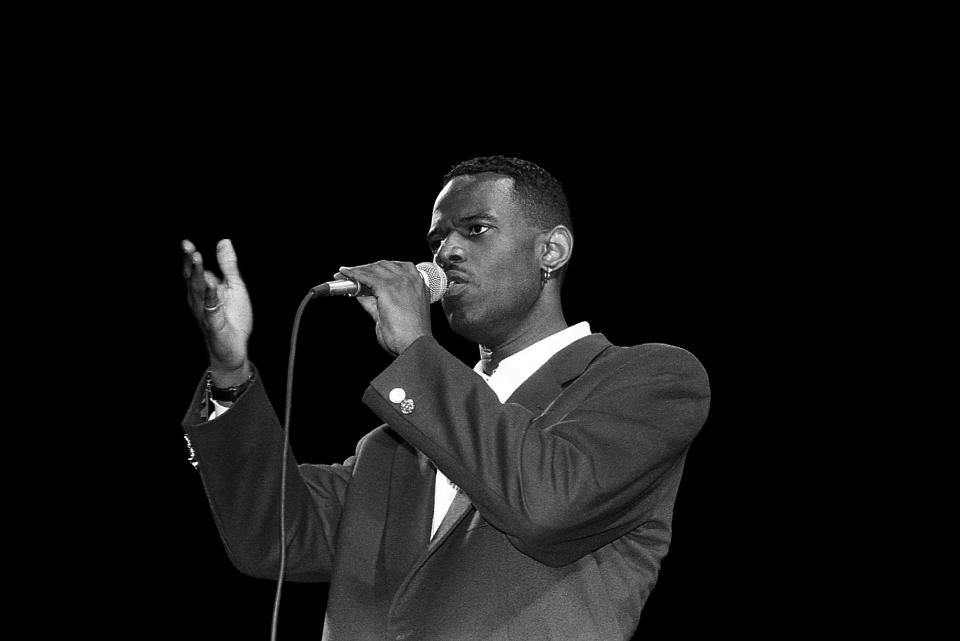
column 228, row 394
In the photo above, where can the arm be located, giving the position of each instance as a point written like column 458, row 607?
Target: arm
column 560, row 484
column 238, row 456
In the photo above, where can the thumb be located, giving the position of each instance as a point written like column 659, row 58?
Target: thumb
column 369, row 304
column 227, row 259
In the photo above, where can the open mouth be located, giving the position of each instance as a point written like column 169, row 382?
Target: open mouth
column 456, row 284
column 454, row 289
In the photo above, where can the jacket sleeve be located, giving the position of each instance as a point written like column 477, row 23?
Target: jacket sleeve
column 238, row 456
column 563, row 483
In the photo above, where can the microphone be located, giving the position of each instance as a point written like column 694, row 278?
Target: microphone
column 433, row 277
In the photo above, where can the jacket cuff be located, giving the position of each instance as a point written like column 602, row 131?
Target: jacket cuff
column 193, row 417
column 402, row 387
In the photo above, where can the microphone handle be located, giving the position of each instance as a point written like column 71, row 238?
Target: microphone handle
column 433, row 277
column 349, row 288
column 340, row 288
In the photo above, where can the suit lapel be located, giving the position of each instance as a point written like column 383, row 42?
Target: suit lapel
column 539, row 391
column 536, row 394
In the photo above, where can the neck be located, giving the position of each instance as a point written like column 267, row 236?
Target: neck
column 492, row 355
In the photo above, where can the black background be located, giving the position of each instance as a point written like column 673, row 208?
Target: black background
column 690, row 221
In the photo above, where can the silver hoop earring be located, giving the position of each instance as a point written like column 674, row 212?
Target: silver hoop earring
column 545, row 276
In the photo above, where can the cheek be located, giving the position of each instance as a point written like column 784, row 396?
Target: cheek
column 513, row 285
column 517, row 266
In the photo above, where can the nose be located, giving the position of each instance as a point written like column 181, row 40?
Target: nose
column 450, row 252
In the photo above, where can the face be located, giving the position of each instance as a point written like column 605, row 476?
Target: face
column 478, row 234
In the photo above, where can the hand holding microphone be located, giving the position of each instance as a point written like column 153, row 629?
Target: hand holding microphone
column 397, row 295
column 433, row 277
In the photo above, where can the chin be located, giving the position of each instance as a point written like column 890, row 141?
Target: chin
column 464, row 325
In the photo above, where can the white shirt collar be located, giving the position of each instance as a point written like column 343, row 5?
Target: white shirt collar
column 514, row 370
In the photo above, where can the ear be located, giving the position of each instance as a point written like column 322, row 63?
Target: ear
column 556, row 248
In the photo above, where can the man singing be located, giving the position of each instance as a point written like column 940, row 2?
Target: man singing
column 528, row 498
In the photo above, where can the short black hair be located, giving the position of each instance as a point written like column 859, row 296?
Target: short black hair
column 541, row 194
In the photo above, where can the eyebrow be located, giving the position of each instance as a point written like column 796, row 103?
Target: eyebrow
column 482, row 216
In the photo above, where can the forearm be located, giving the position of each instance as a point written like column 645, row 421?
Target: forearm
column 582, row 468
column 239, row 458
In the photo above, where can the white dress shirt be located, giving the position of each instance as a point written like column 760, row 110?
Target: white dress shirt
column 509, row 375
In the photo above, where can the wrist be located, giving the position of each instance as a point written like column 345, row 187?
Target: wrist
column 225, row 396
column 224, row 377
column 407, row 343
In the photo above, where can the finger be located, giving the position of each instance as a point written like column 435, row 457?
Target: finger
column 355, row 274
column 227, row 259
column 370, row 275
column 369, row 304
column 397, row 267
column 386, row 268
column 188, row 250
column 210, row 298
column 384, row 276
column 401, row 270
column 197, row 283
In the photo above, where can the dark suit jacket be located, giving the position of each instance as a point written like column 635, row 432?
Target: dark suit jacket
column 571, row 488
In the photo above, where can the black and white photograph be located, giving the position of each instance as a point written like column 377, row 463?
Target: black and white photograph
column 486, row 384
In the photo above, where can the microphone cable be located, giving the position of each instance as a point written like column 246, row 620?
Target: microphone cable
column 435, row 279
column 283, row 464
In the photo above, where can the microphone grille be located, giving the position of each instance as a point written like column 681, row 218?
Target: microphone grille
column 435, row 278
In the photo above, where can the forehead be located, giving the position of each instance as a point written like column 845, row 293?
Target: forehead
column 468, row 195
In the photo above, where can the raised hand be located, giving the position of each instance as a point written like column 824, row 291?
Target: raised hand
column 223, row 312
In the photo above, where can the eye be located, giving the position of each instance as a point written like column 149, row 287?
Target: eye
column 476, row 230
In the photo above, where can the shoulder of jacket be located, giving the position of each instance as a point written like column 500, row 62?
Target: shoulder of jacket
column 656, row 356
